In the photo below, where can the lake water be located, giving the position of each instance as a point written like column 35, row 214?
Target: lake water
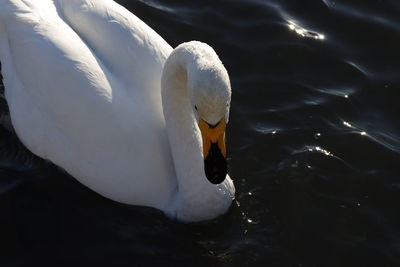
column 313, row 140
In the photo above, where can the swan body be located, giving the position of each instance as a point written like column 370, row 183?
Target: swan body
column 96, row 91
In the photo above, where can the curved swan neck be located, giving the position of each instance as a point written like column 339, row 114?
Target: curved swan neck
column 180, row 120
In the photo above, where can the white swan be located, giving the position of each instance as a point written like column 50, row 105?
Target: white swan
column 82, row 81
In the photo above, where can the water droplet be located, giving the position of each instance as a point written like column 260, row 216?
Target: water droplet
column 363, row 133
column 346, row 96
column 237, row 203
column 295, row 164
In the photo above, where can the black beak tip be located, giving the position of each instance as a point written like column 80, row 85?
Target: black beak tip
column 215, row 166
column 217, row 177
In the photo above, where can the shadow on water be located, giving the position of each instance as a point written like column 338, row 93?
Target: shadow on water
column 314, row 149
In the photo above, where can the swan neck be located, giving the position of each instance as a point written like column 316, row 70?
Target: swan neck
column 181, row 123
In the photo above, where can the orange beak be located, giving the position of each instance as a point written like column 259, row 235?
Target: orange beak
column 212, row 135
column 214, row 150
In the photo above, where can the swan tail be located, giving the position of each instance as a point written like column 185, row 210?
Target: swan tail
column 5, row 120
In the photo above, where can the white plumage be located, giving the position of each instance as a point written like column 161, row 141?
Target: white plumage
column 83, row 84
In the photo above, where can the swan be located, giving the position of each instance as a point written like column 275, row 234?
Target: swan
column 96, row 91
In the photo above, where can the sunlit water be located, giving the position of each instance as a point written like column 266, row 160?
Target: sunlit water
column 314, row 145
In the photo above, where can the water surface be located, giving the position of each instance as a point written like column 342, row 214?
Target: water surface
column 313, row 139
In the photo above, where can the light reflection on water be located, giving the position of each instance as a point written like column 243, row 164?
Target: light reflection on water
column 304, row 32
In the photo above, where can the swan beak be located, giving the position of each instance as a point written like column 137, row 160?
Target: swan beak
column 214, row 150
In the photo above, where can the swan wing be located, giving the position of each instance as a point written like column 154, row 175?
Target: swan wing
column 124, row 43
column 82, row 82
column 49, row 65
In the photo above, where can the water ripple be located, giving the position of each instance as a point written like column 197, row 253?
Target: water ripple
column 345, row 8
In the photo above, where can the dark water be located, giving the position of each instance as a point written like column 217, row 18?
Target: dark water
column 314, row 142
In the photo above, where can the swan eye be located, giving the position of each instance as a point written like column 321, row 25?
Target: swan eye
column 195, row 107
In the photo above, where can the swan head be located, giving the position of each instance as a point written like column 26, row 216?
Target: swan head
column 209, row 92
